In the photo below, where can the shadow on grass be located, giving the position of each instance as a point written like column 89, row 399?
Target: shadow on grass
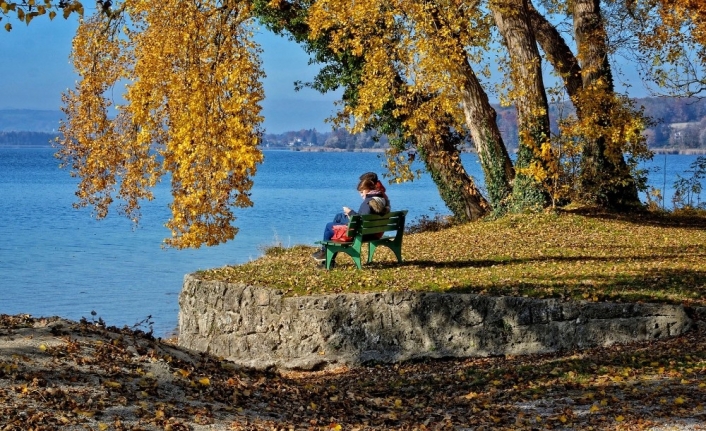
column 659, row 253
column 651, row 284
column 665, row 286
column 695, row 220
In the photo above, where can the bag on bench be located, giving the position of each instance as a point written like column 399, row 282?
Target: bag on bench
column 339, row 233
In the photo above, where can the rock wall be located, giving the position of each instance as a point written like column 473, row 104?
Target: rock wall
column 259, row 327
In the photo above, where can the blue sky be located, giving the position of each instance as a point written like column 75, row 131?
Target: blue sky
column 36, row 70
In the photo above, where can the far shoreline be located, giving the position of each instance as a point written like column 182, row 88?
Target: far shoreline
column 680, row 151
column 319, row 149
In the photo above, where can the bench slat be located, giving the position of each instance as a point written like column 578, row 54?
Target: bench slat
column 372, row 230
column 380, row 223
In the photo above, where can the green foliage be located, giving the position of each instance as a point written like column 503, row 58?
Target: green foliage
column 441, row 155
column 528, row 193
column 497, row 183
column 406, row 69
column 599, row 156
column 394, row 109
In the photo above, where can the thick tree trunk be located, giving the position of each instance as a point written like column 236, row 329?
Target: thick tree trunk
column 457, row 189
column 606, row 179
column 512, row 20
column 493, row 156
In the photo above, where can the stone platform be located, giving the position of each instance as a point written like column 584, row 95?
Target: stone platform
column 261, row 328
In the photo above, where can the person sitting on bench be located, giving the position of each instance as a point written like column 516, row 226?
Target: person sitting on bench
column 374, row 202
column 342, row 218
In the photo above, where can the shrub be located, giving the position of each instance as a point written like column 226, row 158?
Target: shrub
column 425, row 223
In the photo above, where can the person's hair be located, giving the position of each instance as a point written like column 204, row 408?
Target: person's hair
column 377, row 205
column 372, row 176
column 366, row 184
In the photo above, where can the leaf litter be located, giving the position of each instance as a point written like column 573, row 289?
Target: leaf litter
column 59, row 374
column 595, row 256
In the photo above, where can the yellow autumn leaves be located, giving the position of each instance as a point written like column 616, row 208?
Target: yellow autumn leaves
column 420, row 43
column 414, row 64
column 191, row 113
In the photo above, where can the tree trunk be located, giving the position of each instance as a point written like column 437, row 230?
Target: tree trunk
column 439, row 153
column 457, row 189
column 512, row 20
column 606, row 179
column 493, row 156
column 557, row 52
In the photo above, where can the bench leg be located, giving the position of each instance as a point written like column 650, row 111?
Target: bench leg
column 396, row 248
column 331, row 257
column 355, row 255
column 371, row 251
column 356, row 260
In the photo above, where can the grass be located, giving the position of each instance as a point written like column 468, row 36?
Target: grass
column 594, row 256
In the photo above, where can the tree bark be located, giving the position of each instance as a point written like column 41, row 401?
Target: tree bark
column 606, row 179
column 481, row 122
column 439, row 153
column 557, row 52
column 513, row 22
column 457, row 189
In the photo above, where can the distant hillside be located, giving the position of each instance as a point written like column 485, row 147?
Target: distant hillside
column 679, row 124
column 29, row 120
column 26, row 139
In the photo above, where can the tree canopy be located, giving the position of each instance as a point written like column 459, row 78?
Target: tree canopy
column 415, row 70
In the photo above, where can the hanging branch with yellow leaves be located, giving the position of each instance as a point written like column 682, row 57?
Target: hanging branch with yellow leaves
column 191, row 113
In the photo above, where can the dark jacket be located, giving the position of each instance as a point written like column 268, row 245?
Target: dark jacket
column 365, row 205
column 380, row 191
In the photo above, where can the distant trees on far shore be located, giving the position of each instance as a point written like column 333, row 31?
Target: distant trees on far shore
column 338, row 139
column 680, row 123
column 26, row 139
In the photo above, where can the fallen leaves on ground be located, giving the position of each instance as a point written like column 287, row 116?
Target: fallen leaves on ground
column 594, row 257
column 58, row 374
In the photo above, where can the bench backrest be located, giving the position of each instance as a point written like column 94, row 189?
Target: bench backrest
column 371, row 223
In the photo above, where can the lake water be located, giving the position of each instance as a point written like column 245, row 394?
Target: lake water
column 56, row 260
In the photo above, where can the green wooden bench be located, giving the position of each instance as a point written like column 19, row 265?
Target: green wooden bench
column 362, row 228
